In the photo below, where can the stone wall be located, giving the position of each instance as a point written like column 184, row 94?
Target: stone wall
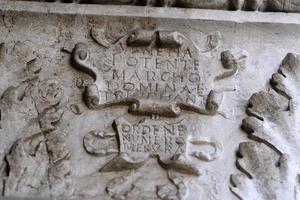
column 131, row 102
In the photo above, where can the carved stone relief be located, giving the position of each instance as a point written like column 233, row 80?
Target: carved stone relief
column 115, row 107
column 152, row 72
column 37, row 163
column 248, row 5
column 270, row 163
column 157, row 74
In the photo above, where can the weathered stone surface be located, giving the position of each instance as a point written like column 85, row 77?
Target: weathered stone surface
column 153, row 72
column 273, row 122
column 132, row 102
column 248, row 5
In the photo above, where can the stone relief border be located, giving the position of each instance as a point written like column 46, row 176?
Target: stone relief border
column 247, row 5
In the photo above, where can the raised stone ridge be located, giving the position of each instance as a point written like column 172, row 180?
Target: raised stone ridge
column 247, row 5
column 150, row 12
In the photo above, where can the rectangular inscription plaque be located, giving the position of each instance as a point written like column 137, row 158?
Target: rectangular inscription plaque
column 154, row 72
column 152, row 136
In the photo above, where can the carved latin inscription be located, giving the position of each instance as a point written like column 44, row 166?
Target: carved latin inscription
column 153, row 72
column 153, row 137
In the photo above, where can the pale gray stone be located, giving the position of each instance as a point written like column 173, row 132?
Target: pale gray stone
column 248, row 5
column 140, row 102
column 272, row 122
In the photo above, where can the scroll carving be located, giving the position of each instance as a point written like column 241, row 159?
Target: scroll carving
column 231, row 62
column 133, row 144
column 152, row 72
column 157, row 74
column 269, row 164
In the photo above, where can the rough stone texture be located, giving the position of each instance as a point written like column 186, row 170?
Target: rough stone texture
column 248, row 5
column 273, row 122
column 117, row 102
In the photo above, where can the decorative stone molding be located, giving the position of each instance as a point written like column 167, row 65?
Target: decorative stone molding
column 142, row 102
column 247, row 5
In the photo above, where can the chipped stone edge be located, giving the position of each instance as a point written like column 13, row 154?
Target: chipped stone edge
column 150, row 12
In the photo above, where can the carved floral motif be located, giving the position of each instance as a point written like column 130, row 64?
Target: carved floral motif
column 270, row 163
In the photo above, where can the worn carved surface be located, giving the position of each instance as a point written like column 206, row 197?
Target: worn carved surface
column 248, row 5
column 270, row 165
column 158, row 74
column 130, row 108
column 153, row 72
column 37, row 162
